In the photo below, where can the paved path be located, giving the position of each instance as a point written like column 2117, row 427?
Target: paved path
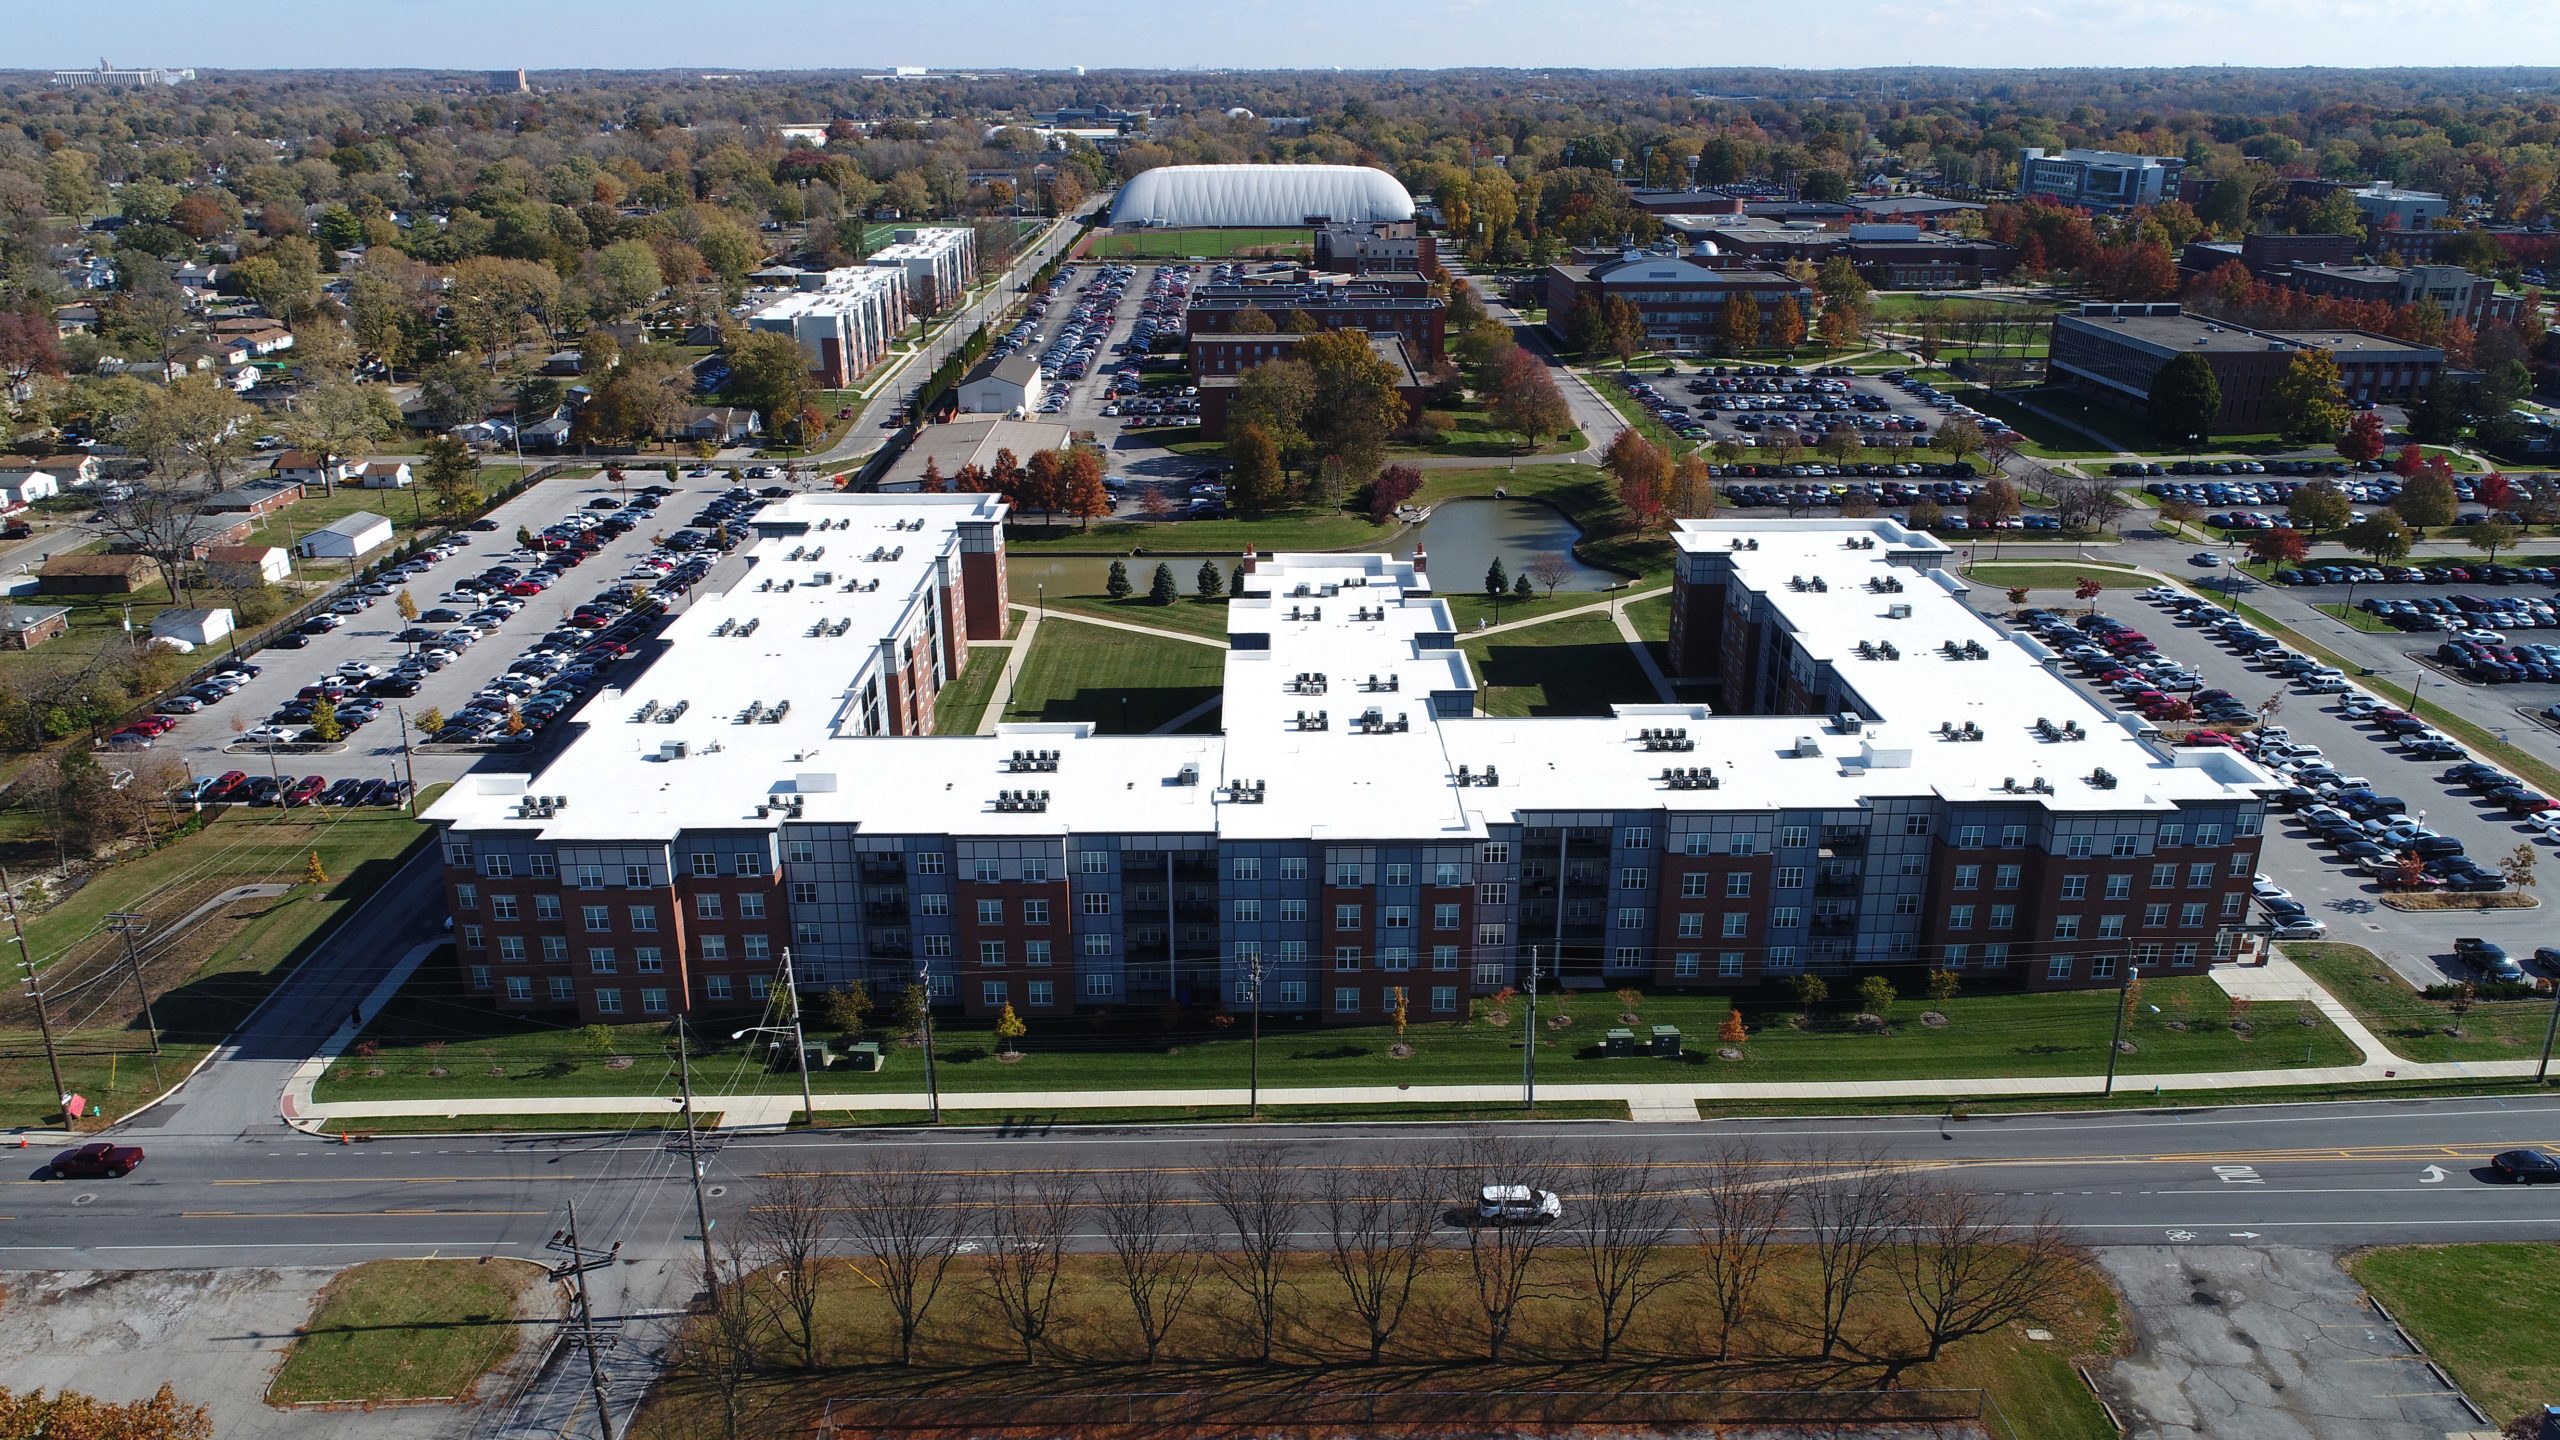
column 1627, row 598
column 1174, row 725
column 1002, row 695
column 1643, row 653
column 1082, row 618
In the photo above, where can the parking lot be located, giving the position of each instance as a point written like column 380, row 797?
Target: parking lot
column 1757, row 405
column 2385, row 777
column 510, row 628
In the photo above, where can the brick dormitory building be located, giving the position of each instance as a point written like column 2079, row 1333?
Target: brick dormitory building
column 1877, row 778
column 2112, row 353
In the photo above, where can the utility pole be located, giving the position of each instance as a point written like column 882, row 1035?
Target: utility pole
column 2542, row 1072
column 1529, row 1041
column 408, row 760
column 129, row 923
column 932, row 1091
column 581, row 1260
column 2115, row 1043
column 693, row 1162
column 35, row 988
column 799, row 1043
column 1255, row 1071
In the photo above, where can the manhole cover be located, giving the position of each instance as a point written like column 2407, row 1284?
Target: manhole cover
column 90, row 1198
column 715, row 1191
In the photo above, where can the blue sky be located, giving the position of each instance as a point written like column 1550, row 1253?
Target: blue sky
column 492, row 34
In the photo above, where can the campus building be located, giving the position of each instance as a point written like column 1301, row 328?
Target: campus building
column 1420, row 320
column 938, row 262
column 844, row 320
column 1895, row 255
column 1219, row 363
column 1878, row 778
column 2101, row 180
column 2112, row 352
column 1396, row 247
column 1682, row 298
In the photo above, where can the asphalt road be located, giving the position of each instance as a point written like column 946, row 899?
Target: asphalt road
column 2307, row 1175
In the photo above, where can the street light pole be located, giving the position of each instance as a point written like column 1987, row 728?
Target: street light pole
column 799, row 1042
column 693, row 1162
column 2542, row 1072
column 2124, row 998
column 1529, row 1039
column 1255, row 1071
column 932, row 1091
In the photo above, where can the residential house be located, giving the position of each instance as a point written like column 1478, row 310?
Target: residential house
column 93, row 574
column 245, row 567
column 192, row 627
column 73, row 469
column 722, row 424
column 1011, row 386
column 24, row 627
column 347, row 537
column 381, row 475
column 20, row 488
column 311, row 467
column 254, row 499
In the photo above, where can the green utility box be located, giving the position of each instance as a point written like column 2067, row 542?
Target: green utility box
column 1621, row 1043
column 1666, row 1041
column 865, row 1056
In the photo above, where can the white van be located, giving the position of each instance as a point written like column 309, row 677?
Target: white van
column 1518, row 1205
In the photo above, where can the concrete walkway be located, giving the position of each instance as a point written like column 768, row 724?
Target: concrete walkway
column 1081, row 617
column 1627, row 598
column 1643, row 652
column 1174, row 725
column 1002, row 695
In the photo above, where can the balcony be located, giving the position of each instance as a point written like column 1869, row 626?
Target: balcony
column 874, row 871
column 1836, row 922
column 1838, row 882
column 884, row 910
column 1844, row 842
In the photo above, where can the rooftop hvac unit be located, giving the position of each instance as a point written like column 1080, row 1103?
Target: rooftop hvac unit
column 671, row 750
column 1807, row 747
column 1849, row 721
column 1897, row 612
column 2102, row 778
column 1189, row 774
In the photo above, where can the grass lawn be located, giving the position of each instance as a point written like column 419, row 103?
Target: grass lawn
column 1125, row 684
column 1191, row 615
column 1418, row 1112
column 2044, row 436
column 1991, row 1034
column 1214, row 244
column 203, row 981
column 1579, row 665
column 957, row 709
column 401, row 507
column 1309, row 528
column 2045, row 575
column 1638, row 418
column 1471, row 432
column 2486, row 1313
column 2355, row 619
column 1433, row 1373
column 1961, row 1107
column 2414, row 1026
column 410, row 1330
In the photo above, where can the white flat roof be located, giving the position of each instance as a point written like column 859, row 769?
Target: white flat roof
column 1374, row 655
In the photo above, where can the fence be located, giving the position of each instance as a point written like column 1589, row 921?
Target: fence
column 1189, row 1412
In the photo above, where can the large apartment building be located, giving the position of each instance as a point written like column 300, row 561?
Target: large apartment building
column 2101, row 180
column 1881, row 779
column 938, row 261
column 844, row 320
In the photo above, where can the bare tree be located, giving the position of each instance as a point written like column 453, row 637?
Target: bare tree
column 1969, row 1266
column 1156, row 1256
column 1026, row 1227
column 1627, row 1225
column 1741, row 1209
column 1502, row 1257
column 1380, row 1234
column 193, row 435
column 1847, row 1204
column 721, row 1347
column 1260, row 1191
column 787, row 1241
column 908, row 1226
column 1550, row 568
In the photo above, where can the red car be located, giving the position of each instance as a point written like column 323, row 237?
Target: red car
column 95, row 1159
column 154, row 725
column 305, row 790
column 231, row 786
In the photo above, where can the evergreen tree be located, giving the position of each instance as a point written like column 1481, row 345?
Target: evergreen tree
column 1496, row 579
column 1162, row 590
column 1524, row 588
column 1209, row 583
column 1235, row 580
column 1118, row 587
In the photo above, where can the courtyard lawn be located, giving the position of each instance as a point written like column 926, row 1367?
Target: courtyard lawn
column 2045, row 575
column 1124, row 684
column 2414, row 1026
column 2486, row 1313
column 411, row 1330
column 2063, row 1033
column 1578, row 665
column 962, row 703
column 204, row 980
column 1307, row 528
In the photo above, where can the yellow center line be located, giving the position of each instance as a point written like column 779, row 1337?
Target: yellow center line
column 338, row 1214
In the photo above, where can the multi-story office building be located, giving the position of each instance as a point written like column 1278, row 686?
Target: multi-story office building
column 1219, row 363
column 2386, row 206
column 1376, row 246
column 938, row 261
column 2112, row 352
column 1420, row 320
column 2105, row 180
column 844, row 320
column 2461, row 295
column 1682, row 298
column 1882, row 778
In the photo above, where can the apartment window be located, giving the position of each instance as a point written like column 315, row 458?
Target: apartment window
column 1248, row 912
column 1293, row 867
column 1694, row 886
column 2125, row 847
column 2013, row 837
column 1626, row 957
column 2066, row 927
column 990, row 912
column 809, row 932
column 1636, row 837
column 1444, row 957
column 2247, row 824
column 511, row 949
column 1968, row 877
column 542, row 865
column 1959, row 917
column 2208, row 835
column 2191, row 913
column 1396, row 917
column 760, row 947
column 1493, row 892
column 649, row 960
column 799, row 852
column 1097, row 902
column 1348, row 874
column 1445, row 874
column 1097, row 944
column 986, row 872
column 2075, row 887
column 644, row 918
column 502, row 907
column 2102, row 967
column 1097, row 987
column 1488, row 974
column 1743, row 844
column 1792, row 837
column 1634, row 879
column 653, row 1001
column 937, row 947
column 1906, row 904
column 609, row 1001
column 1444, row 999
column 1093, row 862
column 1042, row 992
column 1346, row 1000
column 1790, row 877
column 1737, row 886
column 590, row 877
column 2154, row 916
column 2078, row 847
column 715, row 987
column 1995, row 957
column 1954, row 956
column 2003, row 916
column 929, row 862
column 1346, row 957
column 561, row 988
column 1035, row 871
column 750, row 907
column 1915, row 824
column 2233, row 904
column 1494, row 852
column 596, row 917
column 1444, row 917
column 1692, row 926
column 2200, row 874
column 2163, row 876
column 546, row 907
column 705, row 863
column 758, row 985
column 1346, row 917
column 466, row 897
column 2110, row 927
column 991, row 993
column 715, row 948
column 1969, row 837
column 1246, row 867
column 555, row 949
column 804, row 892
column 750, row 863
column 991, row 954
column 1738, row 924
column 498, row 867
column 2239, row 862
column 520, row 987
column 933, row 902
column 2147, row 953
column 2119, row 887
column 1629, row 918
column 1399, row 874
column 1293, row 992
column 1035, row 952
column 2183, row 955
column 2006, row 877
column 2172, row 836
column 1035, row 912
column 1492, row 934
column 471, row 937
column 1782, row 957
column 635, row 877
column 457, row 853
column 2058, row 968
column 1395, row 957
column 1293, row 912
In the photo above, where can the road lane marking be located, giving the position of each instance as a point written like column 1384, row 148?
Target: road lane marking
column 340, row 1214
